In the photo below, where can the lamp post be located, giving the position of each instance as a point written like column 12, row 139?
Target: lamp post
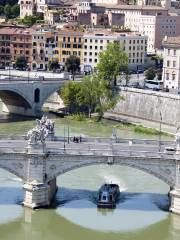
column 160, row 124
column 64, row 139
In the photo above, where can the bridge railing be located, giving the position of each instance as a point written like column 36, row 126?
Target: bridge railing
column 109, row 152
column 115, row 140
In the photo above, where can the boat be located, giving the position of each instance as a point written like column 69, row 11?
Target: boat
column 108, row 195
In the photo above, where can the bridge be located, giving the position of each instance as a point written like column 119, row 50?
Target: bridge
column 26, row 96
column 39, row 163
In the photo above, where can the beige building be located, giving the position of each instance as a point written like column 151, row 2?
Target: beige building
column 44, row 47
column 27, row 8
column 134, row 44
column 152, row 21
column 171, row 64
column 70, row 42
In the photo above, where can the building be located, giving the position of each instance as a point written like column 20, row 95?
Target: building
column 70, row 42
column 153, row 21
column 44, row 47
column 21, row 44
column 134, row 44
column 171, row 64
column 98, row 16
column 15, row 42
column 27, row 8
column 5, row 46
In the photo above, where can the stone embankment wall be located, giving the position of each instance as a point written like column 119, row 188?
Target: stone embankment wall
column 149, row 105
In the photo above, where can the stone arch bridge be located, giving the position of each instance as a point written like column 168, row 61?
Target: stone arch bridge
column 39, row 165
column 26, row 97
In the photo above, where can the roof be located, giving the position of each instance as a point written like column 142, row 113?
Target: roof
column 132, row 7
column 172, row 41
column 106, row 32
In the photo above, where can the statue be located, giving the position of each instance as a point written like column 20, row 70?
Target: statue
column 39, row 133
column 177, row 137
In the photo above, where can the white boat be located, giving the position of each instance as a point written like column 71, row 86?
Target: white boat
column 108, row 195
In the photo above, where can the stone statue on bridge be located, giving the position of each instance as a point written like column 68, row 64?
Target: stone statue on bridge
column 39, row 133
column 177, row 138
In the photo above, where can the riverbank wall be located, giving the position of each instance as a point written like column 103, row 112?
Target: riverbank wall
column 149, row 105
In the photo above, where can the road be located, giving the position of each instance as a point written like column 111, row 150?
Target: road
column 88, row 147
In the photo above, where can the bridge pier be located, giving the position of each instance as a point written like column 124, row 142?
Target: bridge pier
column 29, row 112
column 38, row 192
column 175, row 201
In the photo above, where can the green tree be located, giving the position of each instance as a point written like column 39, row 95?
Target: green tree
column 21, row 62
column 53, row 65
column 112, row 61
column 15, row 10
column 30, row 20
column 150, row 73
column 73, row 64
column 7, row 10
column 92, row 93
column 1, row 10
column 70, row 96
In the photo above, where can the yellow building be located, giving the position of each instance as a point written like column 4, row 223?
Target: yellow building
column 70, row 42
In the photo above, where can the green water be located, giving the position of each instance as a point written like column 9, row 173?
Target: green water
column 141, row 213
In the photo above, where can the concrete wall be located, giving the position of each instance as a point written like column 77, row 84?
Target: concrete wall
column 147, row 105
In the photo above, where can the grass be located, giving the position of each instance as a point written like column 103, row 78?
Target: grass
column 150, row 131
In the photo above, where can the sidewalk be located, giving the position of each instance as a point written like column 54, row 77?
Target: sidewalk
column 138, row 121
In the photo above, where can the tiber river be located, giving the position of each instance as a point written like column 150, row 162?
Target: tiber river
column 141, row 213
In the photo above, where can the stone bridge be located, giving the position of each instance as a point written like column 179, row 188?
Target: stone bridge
column 27, row 96
column 39, row 165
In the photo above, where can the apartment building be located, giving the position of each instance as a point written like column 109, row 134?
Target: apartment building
column 44, row 47
column 21, row 43
column 171, row 64
column 134, row 44
column 152, row 21
column 5, row 46
column 70, row 42
column 15, row 42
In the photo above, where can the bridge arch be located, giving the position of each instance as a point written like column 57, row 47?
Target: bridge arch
column 163, row 174
column 14, row 97
column 14, row 172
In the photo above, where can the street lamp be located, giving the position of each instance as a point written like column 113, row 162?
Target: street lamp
column 160, row 131
column 160, row 124
column 64, row 139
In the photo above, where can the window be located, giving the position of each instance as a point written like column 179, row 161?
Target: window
column 101, row 47
column 168, row 51
column 174, row 63
column 174, row 52
column 168, row 63
column 167, row 76
column 173, row 76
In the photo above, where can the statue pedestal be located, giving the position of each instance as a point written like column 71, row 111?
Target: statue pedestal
column 36, row 148
column 50, row 136
column 36, row 195
column 175, row 201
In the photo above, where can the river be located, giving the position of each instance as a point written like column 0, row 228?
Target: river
column 141, row 214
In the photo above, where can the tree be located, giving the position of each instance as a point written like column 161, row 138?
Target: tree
column 92, row 93
column 70, row 95
column 15, row 10
column 7, row 10
column 73, row 64
column 150, row 73
column 53, row 65
column 1, row 10
column 21, row 62
column 111, row 63
column 30, row 20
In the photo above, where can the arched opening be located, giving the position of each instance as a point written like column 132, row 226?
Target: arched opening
column 37, row 95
